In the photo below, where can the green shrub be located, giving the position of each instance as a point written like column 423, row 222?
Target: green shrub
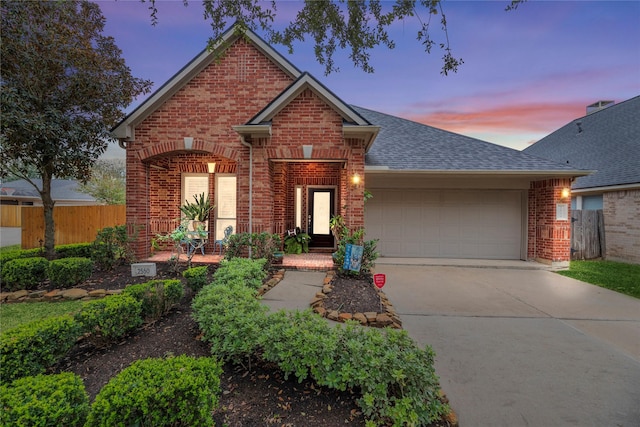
column 44, row 400
column 68, row 272
column 196, row 277
column 177, row 391
column 263, row 245
column 231, row 319
column 112, row 246
column 111, row 318
column 24, row 273
column 244, row 271
column 157, row 296
column 20, row 253
column 369, row 253
column 74, row 250
column 31, row 348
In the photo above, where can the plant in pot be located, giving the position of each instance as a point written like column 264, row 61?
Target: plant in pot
column 199, row 211
column 296, row 242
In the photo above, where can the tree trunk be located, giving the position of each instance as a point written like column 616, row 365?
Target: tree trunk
column 49, row 225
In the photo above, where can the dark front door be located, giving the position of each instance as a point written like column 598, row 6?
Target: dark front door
column 321, row 209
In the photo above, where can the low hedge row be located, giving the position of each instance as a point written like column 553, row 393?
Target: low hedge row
column 396, row 378
column 32, row 348
column 28, row 273
column 176, row 391
column 75, row 250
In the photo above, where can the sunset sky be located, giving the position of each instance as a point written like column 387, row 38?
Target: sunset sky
column 525, row 73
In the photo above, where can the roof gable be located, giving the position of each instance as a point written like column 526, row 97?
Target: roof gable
column 607, row 141
column 125, row 129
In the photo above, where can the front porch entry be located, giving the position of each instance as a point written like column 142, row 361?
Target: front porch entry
column 321, row 209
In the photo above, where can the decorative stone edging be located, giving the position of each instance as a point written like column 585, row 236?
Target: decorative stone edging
column 269, row 284
column 377, row 320
column 55, row 295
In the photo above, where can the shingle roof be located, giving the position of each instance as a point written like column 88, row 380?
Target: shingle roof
column 608, row 143
column 61, row 189
column 405, row 145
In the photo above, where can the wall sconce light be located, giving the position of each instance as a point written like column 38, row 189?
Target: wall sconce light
column 355, row 179
column 188, row 142
column 307, row 150
column 211, row 167
column 566, row 192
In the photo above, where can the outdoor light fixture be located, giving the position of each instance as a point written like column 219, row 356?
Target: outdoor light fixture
column 355, row 179
column 566, row 192
column 211, row 167
column 188, row 142
column 307, row 150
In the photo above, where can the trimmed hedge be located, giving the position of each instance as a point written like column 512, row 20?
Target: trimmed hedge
column 157, row 296
column 74, row 250
column 241, row 271
column 68, row 272
column 109, row 319
column 24, row 273
column 196, row 277
column 20, row 253
column 44, row 400
column 30, row 349
column 176, row 391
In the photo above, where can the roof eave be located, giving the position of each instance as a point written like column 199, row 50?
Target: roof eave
column 366, row 132
column 542, row 173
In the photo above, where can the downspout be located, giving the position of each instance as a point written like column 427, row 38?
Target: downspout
column 246, row 144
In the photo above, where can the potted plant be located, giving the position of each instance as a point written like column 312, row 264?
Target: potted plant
column 199, row 211
column 296, row 242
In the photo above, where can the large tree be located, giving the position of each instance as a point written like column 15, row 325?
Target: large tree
column 354, row 25
column 64, row 85
column 108, row 182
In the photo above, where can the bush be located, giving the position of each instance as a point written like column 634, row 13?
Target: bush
column 263, row 245
column 112, row 246
column 24, row 273
column 68, row 272
column 44, row 400
column 74, row 250
column 20, row 253
column 177, row 391
column 32, row 348
column 196, row 277
column 157, row 296
column 369, row 253
column 242, row 271
column 111, row 318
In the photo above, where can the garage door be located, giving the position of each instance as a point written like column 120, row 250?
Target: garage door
column 446, row 223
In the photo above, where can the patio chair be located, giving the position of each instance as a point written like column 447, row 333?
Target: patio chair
column 227, row 232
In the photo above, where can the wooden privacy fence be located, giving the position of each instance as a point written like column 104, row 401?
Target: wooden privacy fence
column 587, row 234
column 74, row 224
column 10, row 216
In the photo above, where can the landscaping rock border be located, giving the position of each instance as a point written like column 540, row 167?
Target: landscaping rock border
column 389, row 318
column 55, row 295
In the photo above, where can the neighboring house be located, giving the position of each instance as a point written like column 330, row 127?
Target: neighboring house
column 275, row 149
column 606, row 140
column 63, row 191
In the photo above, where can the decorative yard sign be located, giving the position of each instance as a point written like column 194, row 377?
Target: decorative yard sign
column 353, row 257
column 379, row 280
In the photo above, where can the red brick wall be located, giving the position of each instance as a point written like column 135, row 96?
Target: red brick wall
column 549, row 239
column 226, row 93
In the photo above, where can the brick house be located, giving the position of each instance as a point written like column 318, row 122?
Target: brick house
column 275, row 149
column 607, row 141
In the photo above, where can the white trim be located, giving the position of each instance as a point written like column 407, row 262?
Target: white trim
column 536, row 173
column 596, row 190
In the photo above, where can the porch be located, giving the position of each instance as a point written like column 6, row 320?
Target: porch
column 307, row 262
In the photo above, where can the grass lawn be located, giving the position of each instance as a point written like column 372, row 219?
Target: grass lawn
column 617, row 276
column 12, row 315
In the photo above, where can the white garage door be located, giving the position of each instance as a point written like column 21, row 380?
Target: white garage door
column 446, row 223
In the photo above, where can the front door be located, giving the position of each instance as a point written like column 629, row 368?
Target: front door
column 321, row 209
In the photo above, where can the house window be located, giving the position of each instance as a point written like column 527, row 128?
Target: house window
column 592, row 203
column 194, row 184
column 298, row 203
column 226, row 197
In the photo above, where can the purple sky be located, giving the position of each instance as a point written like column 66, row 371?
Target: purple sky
column 526, row 72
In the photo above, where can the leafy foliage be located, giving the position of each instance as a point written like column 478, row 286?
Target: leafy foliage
column 14, row 315
column 107, row 183
column 157, row 296
column 196, row 277
column 356, row 26
column 297, row 243
column 199, row 210
column 176, row 391
column 64, row 84
column 44, row 400
column 109, row 319
column 74, row 250
column 30, row 349
column 263, row 245
column 24, row 273
column 68, row 272
column 112, row 246
column 241, row 271
column 345, row 236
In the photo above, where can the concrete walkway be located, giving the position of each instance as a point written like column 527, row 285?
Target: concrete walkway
column 514, row 346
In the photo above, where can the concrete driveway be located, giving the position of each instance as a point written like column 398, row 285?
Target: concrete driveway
column 524, row 347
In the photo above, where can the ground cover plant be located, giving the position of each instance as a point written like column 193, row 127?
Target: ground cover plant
column 617, row 276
